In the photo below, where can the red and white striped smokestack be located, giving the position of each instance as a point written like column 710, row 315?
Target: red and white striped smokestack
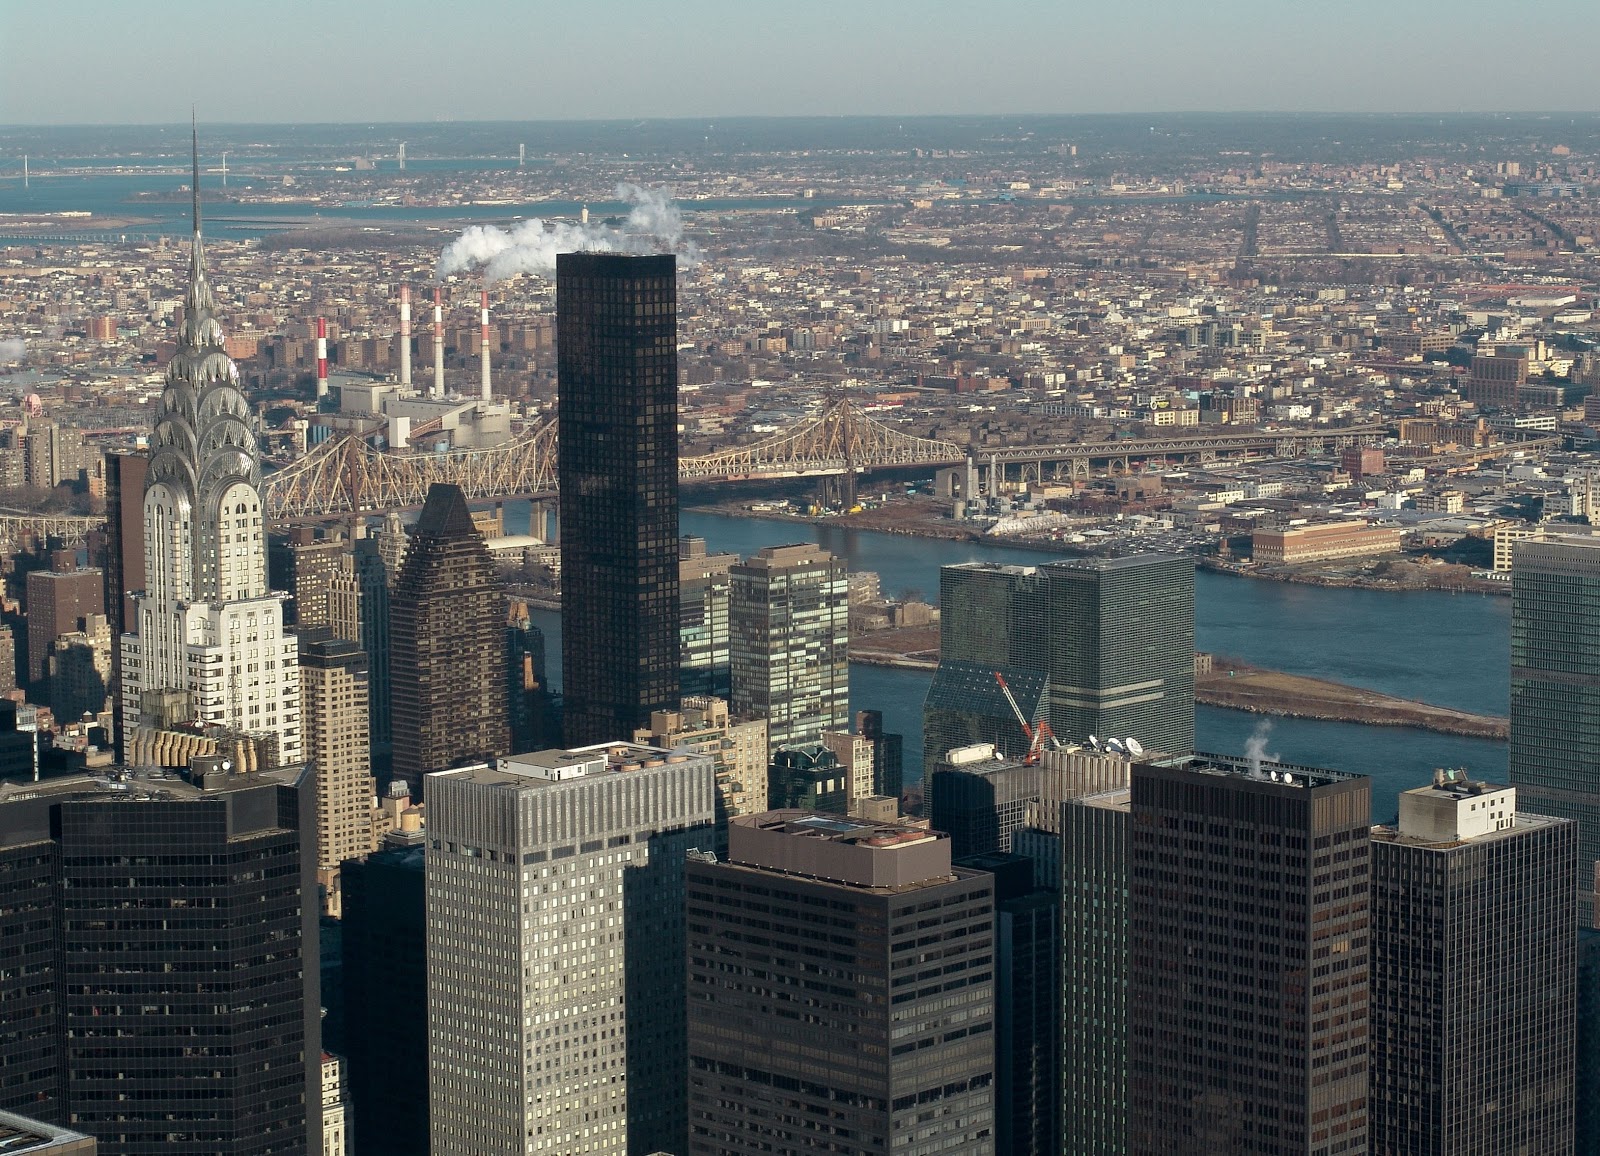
column 322, row 358
column 483, row 349
column 405, row 337
column 438, row 341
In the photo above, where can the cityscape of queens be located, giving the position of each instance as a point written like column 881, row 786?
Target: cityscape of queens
column 875, row 580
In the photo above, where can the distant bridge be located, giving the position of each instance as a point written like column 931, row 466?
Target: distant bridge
column 345, row 475
column 71, row 529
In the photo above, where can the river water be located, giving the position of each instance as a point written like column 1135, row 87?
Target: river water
column 1453, row 650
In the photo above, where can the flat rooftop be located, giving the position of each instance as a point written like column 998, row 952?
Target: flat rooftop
column 542, row 768
column 856, row 852
column 20, row 1135
column 1290, row 775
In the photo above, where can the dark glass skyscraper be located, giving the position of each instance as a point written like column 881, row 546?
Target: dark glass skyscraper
column 447, row 616
column 616, row 330
column 1101, row 646
column 1555, row 689
column 1247, row 942
column 156, row 988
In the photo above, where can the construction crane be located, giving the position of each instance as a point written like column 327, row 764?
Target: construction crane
column 1037, row 735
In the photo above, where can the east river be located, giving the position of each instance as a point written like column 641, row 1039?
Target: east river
column 1450, row 649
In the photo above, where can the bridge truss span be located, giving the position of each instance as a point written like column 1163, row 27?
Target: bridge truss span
column 837, row 440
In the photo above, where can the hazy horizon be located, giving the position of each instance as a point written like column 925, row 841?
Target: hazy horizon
column 408, row 62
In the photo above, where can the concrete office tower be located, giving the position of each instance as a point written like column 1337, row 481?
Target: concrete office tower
column 1555, row 689
column 1473, row 975
column 124, row 568
column 8, row 660
column 140, row 908
column 58, row 601
column 1212, row 844
column 889, row 1047
column 980, row 799
column 789, row 618
column 737, row 748
column 384, row 934
column 1095, row 646
column 80, row 670
column 335, row 1125
column 704, row 667
column 1094, row 1004
column 333, row 682
column 206, row 624
column 358, row 608
column 616, row 329
column 555, row 950
column 447, row 663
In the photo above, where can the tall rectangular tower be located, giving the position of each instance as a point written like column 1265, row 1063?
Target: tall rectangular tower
column 617, row 337
column 1473, row 974
column 789, row 621
column 880, row 1041
column 555, row 950
column 1247, row 979
column 1555, row 689
column 179, row 981
column 333, row 682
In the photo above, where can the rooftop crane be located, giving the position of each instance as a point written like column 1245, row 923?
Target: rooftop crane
column 1037, row 735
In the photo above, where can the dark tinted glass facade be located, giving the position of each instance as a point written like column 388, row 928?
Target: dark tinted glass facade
column 1473, row 996
column 1248, row 969
column 386, row 1002
column 1555, row 689
column 1111, row 640
column 185, row 1018
column 1094, row 933
column 447, row 615
column 616, row 329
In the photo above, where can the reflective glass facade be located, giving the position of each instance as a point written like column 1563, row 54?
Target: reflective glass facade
column 616, row 329
column 1555, row 688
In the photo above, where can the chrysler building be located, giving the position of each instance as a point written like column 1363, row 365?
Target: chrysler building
column 207, row 645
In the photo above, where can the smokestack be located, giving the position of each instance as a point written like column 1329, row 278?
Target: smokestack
column 405, row 337
column 483, row 349
column 322, row 358
column 438, row 342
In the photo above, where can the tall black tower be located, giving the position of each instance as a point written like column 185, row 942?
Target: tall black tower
column 616, row 329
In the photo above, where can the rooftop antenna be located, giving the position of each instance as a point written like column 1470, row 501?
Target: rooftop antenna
column 194, row 130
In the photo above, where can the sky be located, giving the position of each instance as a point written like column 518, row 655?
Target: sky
column 345, row 61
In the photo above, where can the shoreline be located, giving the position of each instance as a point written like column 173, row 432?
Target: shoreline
column 915, row 529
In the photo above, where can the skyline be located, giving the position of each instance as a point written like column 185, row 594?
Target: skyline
column 409, row 62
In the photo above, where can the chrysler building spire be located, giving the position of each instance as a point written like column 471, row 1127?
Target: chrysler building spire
column 207, row 625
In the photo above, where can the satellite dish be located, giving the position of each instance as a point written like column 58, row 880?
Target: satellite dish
column 1116, row 747
column 1094, row 743
column 1288, row 778
column 1274, row 775
column 1135, row 747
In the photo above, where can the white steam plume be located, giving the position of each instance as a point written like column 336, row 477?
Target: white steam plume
column 1255, row 747
column 12, row 349
column 654, row 225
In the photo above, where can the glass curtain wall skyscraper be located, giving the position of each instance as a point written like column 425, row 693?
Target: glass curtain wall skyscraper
column 617, row 325
column 1101, row 646
column 1555, row 689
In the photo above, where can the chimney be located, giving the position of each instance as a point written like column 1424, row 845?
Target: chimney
column 322, row 358
column 483, row 349
column 405, row 337
column 438, row 342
